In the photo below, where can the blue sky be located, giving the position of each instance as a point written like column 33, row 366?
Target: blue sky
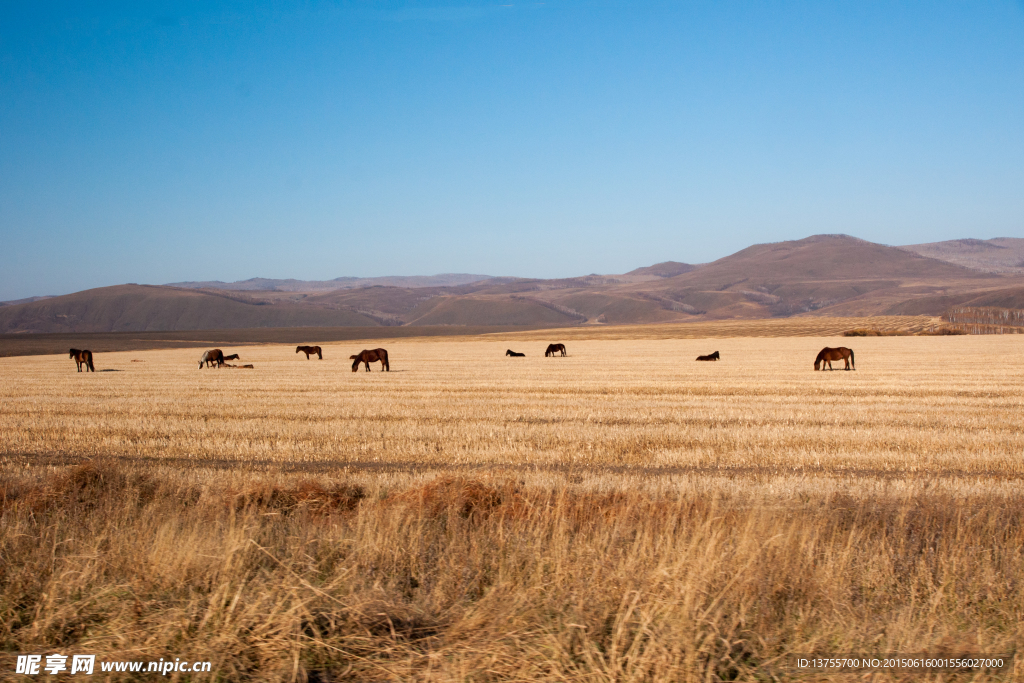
column 156, row 143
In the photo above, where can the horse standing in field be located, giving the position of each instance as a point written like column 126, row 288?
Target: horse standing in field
column 215, row 356
column 510, row 352
column 553, row 349
column 83, row 357
column 371, row 356
column 710, row 356
column 310, row 350
column 827, row 355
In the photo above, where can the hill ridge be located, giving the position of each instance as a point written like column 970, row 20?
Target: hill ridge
column 837, row 274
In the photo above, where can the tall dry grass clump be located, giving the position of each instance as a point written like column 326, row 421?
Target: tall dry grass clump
column 492, row 578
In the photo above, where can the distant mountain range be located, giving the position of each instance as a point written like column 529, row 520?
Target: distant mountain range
column 999, row 255
column 819, row 275
column 261, row 284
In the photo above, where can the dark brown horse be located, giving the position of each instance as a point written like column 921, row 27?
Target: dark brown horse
column 83, row 358
column 233, row 356
column 510, row 352
column 310, row 350
column 215, row 356
column 710, row 356
column 828, row 355
column 554, row 349
column 371, row 356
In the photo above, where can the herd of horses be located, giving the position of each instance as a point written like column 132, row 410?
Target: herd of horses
column 825, row 357
column 216, row 357
column 552, row 350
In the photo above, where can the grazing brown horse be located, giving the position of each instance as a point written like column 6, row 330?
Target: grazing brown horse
column 310, row 350
column 371, row 356
column 215, row 356
column 510, row 352
column 710, row 356
column 828, row 355
column 553, row 349
column 83, row 358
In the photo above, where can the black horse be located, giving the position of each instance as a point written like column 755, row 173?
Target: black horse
column 710, row 356
column 510, row 352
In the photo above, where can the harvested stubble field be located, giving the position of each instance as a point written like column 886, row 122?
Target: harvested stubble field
column 623, row 513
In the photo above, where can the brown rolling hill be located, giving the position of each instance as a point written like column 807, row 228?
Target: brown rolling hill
column 833, row 275
column 664, row 269
column 140, row 308
column 824, row 275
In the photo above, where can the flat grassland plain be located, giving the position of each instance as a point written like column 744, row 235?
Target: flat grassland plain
column 623, row 513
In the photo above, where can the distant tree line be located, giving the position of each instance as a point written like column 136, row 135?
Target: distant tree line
column 986, row 319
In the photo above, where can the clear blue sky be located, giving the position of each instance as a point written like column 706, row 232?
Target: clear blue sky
column 192, row 141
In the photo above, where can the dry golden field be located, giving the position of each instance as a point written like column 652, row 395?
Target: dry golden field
column 621, row 514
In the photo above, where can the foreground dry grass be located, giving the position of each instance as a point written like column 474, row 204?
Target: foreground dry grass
column 620, row 514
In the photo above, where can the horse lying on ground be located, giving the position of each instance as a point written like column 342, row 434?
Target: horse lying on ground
column 710, row 356
column 215, row 356
column 228, row 365
column 553, row 349
column 828, row 355
column 371, row 356
column 510, row 352
column 83, row 357
column 233, row 356
column 310, row 350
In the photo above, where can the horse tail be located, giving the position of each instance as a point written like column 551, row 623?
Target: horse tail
column 319, row 353
column 852, row 364
column 384, row 353
column 88, row 359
